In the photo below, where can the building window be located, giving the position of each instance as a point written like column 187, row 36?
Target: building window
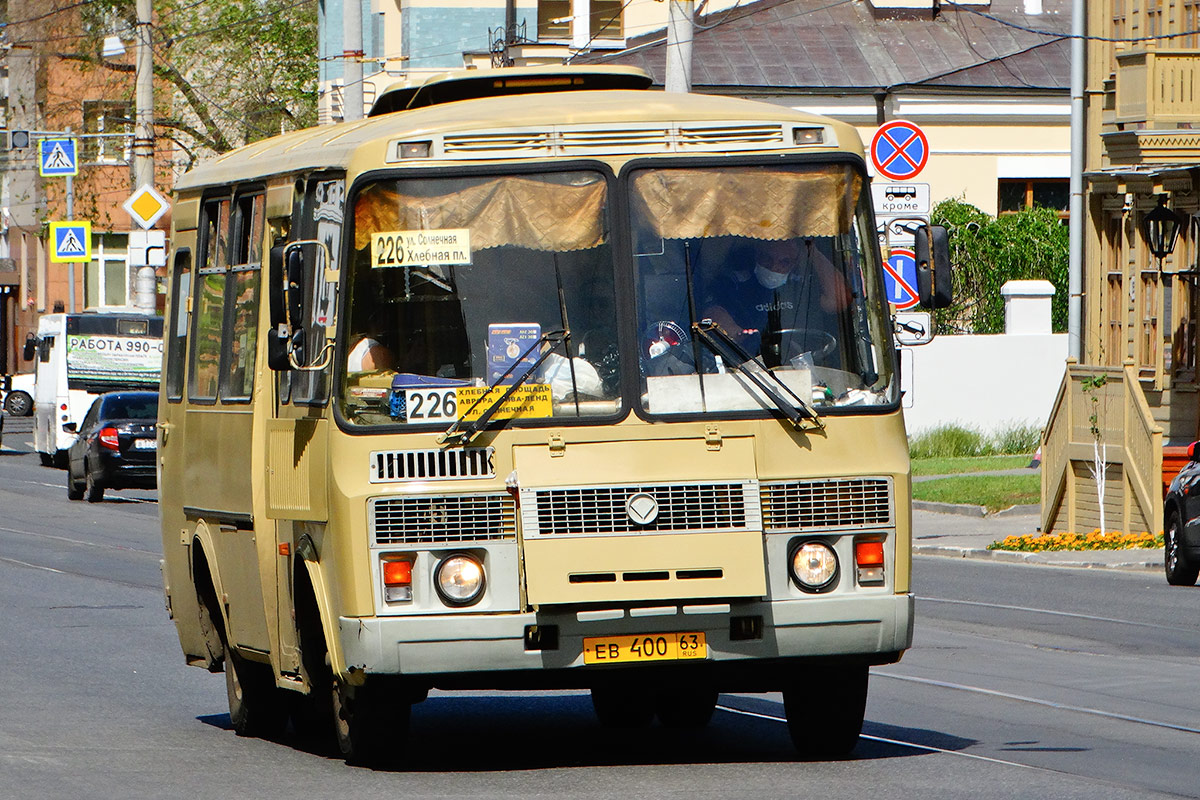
column 106, row 278
column 108, row 135
column 607, row 19
column 554, row 19
column 598, row 19
column 1113, row 343
column 1148, row 316
column 1020, row 194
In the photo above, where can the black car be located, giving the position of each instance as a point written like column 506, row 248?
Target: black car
column 116, row 446
column 1181, row 522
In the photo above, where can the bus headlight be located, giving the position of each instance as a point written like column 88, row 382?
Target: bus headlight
column 459, row 580
column 814, row 566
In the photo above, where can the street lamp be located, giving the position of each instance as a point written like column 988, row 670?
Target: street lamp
column 1160, row 228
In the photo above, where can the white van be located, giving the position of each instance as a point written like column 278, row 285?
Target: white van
column 81, row 356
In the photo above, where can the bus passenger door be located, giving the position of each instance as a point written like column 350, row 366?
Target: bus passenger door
column 298, row 432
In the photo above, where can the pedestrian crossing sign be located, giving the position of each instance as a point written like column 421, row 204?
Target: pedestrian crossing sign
column 70, row 242
column 58, row 157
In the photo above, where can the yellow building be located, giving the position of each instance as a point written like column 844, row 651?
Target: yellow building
column 1136, row 387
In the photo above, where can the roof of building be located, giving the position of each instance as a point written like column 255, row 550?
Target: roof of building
column 819, row 46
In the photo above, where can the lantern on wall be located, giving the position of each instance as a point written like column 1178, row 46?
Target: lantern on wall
column 1160, row 228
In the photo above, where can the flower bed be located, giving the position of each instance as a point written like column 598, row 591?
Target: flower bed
column 1095, row 540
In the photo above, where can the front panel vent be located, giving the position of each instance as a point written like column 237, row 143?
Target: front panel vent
column 389, row 466
column 605, row 510
column 583, row 141
column 441, row 519
column 826, row 504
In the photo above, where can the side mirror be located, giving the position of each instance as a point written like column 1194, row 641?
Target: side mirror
column 933, row 267
column 277, row 340
column 70, row 427
column 30, row 349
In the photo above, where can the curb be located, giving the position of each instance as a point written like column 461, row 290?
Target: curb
column 950, row 508
column 1044, row 559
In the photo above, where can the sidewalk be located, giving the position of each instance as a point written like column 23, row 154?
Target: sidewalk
column 955, row 535
column 954, row 531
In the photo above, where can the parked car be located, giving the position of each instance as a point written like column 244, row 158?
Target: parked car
column 1181, row 522
column 115, row 446
column 18, row 394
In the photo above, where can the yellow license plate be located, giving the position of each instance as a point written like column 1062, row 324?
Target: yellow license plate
column 646, row 647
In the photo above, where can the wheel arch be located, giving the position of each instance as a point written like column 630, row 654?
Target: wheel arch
column 311, row 590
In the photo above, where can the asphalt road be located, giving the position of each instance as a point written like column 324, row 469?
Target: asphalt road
column 1022, row 682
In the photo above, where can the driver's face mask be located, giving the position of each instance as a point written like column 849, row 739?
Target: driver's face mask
column 769, row 278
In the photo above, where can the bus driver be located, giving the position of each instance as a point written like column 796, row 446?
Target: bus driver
column 778, row 297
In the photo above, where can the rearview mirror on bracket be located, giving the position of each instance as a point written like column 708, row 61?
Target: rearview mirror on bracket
column 934, row 281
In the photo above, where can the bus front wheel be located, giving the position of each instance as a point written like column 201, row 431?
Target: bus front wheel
column 825, row 709
column 371, row 728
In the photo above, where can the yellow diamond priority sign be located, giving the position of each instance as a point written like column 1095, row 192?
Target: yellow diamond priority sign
column 146, row 206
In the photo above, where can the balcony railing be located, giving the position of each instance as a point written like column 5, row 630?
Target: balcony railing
column 1157, row 89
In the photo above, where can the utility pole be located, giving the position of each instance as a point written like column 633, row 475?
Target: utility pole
column 679, row 45
column 352, row 55
column 143, row 140
column 1078, row 162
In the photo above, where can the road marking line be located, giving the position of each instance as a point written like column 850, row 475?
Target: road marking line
column 1047, row 611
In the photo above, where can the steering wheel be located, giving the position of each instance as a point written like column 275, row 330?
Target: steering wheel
column 822, row 342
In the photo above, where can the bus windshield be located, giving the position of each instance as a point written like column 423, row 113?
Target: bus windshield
column 461, row 283
column 782, row 261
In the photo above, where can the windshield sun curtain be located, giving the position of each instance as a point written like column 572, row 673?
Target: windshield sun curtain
column 491, row 297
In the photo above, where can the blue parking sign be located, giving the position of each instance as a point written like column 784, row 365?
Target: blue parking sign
column 900, row 279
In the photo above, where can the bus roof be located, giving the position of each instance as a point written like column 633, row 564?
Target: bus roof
column 336, row 146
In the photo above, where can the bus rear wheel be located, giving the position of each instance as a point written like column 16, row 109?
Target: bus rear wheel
column 825, row 709
column 256, row 705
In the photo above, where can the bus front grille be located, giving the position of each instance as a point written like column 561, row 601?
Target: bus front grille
column 825, row 504
column 600, row 510
column 441, row 519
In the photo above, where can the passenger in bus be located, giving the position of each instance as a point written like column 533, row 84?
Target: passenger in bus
column 791, row 301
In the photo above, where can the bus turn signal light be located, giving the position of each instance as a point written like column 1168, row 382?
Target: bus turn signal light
column 868, row 557
column 397, row 580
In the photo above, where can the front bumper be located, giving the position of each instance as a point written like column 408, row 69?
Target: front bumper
column 873, row 629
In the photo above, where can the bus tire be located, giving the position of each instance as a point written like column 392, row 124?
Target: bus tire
column 685, row 706
column 371, row 729
column 256, row 705
column 623, row 705
column 825, row 709
column 46, row 459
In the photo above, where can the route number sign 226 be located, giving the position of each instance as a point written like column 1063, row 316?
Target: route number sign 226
column 445, row 247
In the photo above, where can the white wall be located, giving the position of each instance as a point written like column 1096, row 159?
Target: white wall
column 990, row 383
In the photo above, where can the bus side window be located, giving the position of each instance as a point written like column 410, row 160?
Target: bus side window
column 181, row 289
column 243, row 286
column 209, row 312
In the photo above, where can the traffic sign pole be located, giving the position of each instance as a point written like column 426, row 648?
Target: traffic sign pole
column 71, row 265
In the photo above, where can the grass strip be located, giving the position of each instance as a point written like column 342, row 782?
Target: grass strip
column 964, row 464
column 993, row 492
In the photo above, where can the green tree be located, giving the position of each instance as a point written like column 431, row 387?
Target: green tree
column 240, row 70
column 989, row 251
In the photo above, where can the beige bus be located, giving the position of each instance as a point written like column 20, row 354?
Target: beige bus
column 536, row 379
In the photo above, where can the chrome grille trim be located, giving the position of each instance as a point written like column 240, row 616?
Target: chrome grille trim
column 582, row 140
column 441, row 519
column 391, row 466
column 828, row 503
column 600, row 510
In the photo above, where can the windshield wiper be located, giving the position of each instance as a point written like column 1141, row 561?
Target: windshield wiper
column 464, row 434
column 798, row 410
